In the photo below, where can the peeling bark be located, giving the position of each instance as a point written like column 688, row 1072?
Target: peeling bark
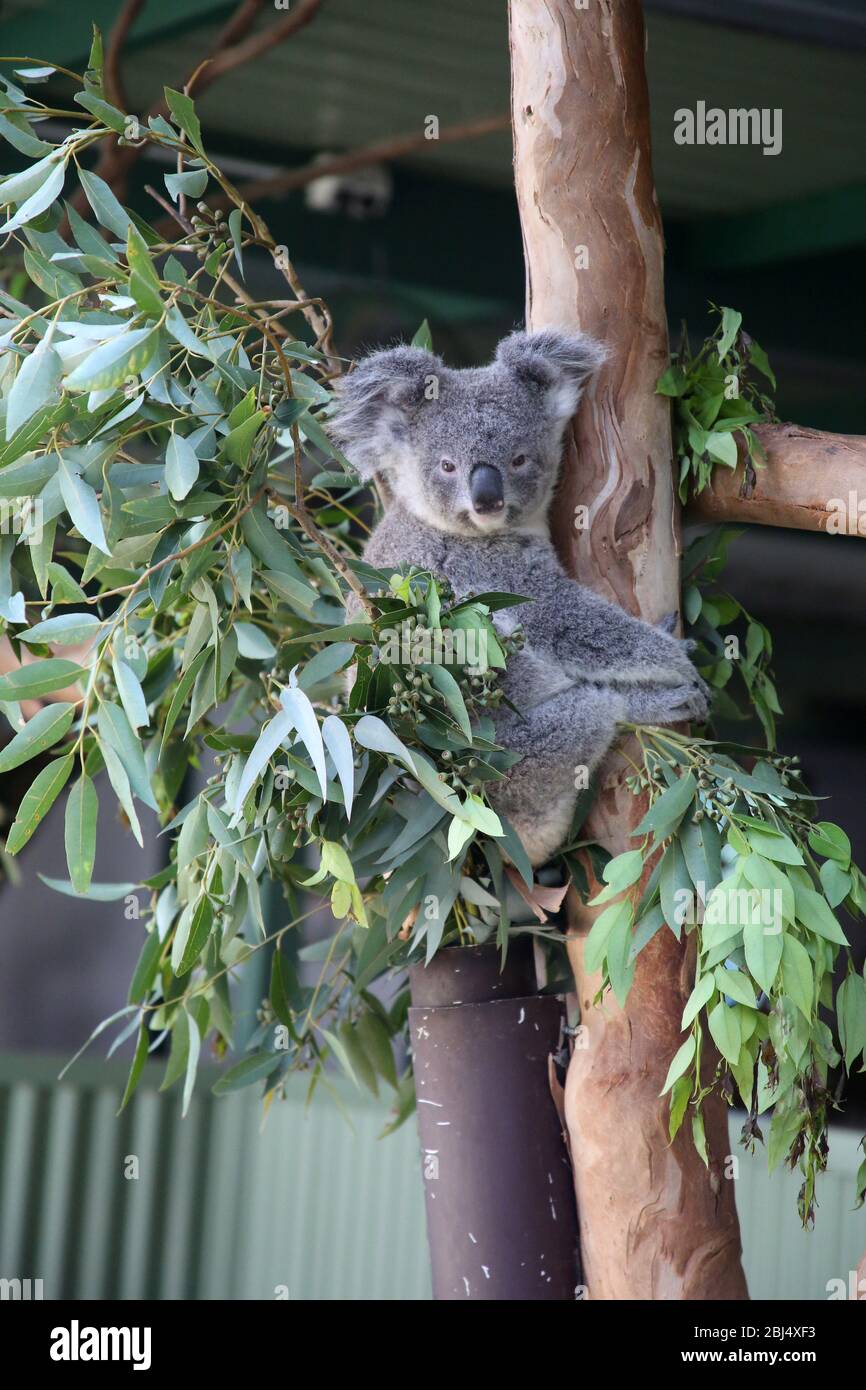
column 655, row 1223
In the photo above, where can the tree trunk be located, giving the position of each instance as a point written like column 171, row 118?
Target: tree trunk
column 655, row 1223
column 811, row 481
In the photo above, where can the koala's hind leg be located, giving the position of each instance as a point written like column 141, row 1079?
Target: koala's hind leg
column 560, row 742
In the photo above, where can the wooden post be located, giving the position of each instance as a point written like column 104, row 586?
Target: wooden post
column 655, row 1223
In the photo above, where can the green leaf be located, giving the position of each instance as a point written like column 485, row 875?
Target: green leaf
column 122, row 790
column 182, row 109
column 109, row 364
column 680, row 1094
column 339, row 745
column 237, row 445
column 701, row 847
column 831, row 841
column 692, row 603
column 37, row 802
column 736, row 985
column 35, row 385
column 106, row 209
column 724, row 1026
column 192, row 183
column 817, row 917
column 851, row 1013
column 96, row 893
column 325, row 664
column 699, row 1137
column 597, row 941
column 623, row 870
column 103, row 110
column 40, row 678
column 763, row 948
column 247, row 1072
column 191, row 1061
column 235, row 221
column 731, row 323
column 181, row 466
column 773, row 845
column 675, row 889
column 272, row 737
column 82, row 505
column 360, row 1067
column 67, row 629
column 144, row 283
column 422, row 337
column 138, row 1061
column 701, row 995
column 32, row 207
column 131, row 694
column 80, row 832
column 21, row 138
column 376, row 1043
column 668, row 809
column 46, row 728
column 191, row 935
column 178, row 699
column 452, row 695
column 682, row 1059
column 146, row 968
column 672, row 382
column 722, row 448
column 835, row 882
column 459, row 835
column 797, row 976
column 115, row 729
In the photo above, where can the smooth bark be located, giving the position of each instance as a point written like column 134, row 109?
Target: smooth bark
column 811, row 481
column 655, row 1223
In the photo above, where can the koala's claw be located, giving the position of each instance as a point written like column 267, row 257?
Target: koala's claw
column 692, row 701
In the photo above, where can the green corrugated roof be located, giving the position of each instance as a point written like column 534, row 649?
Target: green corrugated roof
column 361, row 72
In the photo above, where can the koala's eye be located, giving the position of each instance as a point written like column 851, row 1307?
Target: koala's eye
column 519, row 461
column 446, row 465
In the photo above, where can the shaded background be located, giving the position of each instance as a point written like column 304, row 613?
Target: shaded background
column 435, row 234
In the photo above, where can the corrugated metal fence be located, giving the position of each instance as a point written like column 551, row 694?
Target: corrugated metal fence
column 152, row 1206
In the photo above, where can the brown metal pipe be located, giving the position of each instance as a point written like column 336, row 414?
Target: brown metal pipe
column 501, row 1218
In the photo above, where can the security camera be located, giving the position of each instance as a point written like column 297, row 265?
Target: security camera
column 362, row 194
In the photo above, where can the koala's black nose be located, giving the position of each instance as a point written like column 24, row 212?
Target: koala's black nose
column 485, row 488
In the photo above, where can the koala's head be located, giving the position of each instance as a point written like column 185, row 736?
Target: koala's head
column 467, row 451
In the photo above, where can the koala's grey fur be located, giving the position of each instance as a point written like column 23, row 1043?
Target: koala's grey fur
column 586, row 663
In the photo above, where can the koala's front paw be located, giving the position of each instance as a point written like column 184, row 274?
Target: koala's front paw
column 669, row 704
column 690, row 701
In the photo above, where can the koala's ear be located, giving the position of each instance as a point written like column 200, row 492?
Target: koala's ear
column 375, row 401
column 560, row 364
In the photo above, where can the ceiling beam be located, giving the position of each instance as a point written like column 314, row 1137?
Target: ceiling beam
column 834, row 23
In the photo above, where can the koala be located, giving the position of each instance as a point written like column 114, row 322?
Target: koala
column 470, row 459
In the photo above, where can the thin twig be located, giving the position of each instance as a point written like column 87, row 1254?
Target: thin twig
column 227, row 56
column 382, row 152
column 240, row 23
column 116, row 160
column 114, row 86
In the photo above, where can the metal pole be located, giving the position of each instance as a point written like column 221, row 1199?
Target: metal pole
column 501, row 1218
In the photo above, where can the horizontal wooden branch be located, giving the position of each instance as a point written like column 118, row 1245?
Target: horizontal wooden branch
column 811, row 481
